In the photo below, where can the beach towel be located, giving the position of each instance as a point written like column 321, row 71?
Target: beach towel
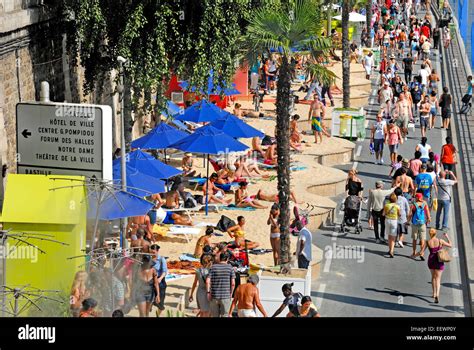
column 296, row 168
column 233, row 207
column 161, row 230
column 188, row 257
column 202, row 180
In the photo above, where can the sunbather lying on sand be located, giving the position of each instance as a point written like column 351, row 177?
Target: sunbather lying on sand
column 246, row 168
column 243, row 200
column 274, row 197
column 171, row 218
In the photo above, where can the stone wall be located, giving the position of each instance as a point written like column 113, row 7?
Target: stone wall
column 31, row 51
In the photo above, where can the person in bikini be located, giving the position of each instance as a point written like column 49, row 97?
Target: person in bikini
column 246, row 170
column 274, row 232
column 171, row 199
column 237, row 232
column 187, row 164
column 294, row 132
column 271, row 155
column 243, row 200
column 226, row 175
column 204, row 241
column 274, row 197
column 215, row 194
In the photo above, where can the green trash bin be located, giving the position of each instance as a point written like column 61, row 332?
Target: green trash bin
column 360, row 126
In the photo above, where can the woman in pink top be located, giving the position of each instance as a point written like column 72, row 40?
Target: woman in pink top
column 394, row 137
column 415, row 163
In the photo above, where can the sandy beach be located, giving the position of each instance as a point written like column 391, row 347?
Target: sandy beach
column 314, row 174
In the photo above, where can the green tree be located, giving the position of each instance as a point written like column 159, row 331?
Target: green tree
column 282, row 27
column 158, row 38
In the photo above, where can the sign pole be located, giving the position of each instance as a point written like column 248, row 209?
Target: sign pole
column 123, row 221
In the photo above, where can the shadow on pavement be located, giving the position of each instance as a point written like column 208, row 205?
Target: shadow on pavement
column 376, row 304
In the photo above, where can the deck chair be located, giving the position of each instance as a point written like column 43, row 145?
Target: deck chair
column 180, row 125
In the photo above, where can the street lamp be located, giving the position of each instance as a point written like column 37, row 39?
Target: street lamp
column 120, row 88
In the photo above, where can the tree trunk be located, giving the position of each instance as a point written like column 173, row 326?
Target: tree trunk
column 283, row 169
column 368, row 19
column 346, row 70
column 329, row 19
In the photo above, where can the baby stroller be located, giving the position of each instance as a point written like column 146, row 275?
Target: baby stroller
column 301, row 215
column 352, row 207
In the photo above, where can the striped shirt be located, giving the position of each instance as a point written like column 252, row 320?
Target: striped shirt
column 221, row 276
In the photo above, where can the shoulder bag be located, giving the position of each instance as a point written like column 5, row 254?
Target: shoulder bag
column 443, row 255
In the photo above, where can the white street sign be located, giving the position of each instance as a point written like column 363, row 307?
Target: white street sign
column 64, row 139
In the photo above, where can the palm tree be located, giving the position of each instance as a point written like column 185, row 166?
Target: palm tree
column 346, row 64
column 347, row 6
column 368, row 17
column 281, row 29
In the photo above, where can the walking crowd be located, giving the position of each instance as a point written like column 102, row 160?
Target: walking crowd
column 423, row 184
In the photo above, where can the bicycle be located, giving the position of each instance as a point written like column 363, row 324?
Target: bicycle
column 257, row 99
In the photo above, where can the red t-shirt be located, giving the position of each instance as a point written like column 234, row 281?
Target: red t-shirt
column 425, row 31
column 448, row 154
column 388, row 3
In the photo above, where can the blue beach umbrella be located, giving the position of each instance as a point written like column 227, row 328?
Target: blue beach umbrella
column 138, row 183
column 117, row 205
column 160, row 137
column 211, row 88
column 200, row 112
column 147, row 164
column 235, row 127
column 209, row 140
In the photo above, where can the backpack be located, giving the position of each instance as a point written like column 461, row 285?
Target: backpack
column 224, row 223
column 419, row 215
column 190, row 202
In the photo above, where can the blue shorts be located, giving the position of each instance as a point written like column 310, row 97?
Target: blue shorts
column 424, row 122
column 168, row 218
column 378, row 145
column 434, row 111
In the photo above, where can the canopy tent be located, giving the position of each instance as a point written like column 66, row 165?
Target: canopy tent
column 353, row 17
column 209, row 140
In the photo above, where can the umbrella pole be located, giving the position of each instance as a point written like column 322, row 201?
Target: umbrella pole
column 96, row 224
column 166, row 160
column 207, row 186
